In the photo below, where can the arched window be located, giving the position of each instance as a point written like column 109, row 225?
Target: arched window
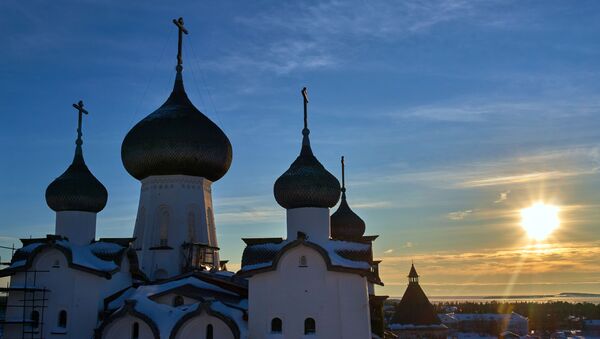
column 140, row 228
column 209, row 331
column 35, row 319
column 276, row 325
column 135, row 330
column 192, row 227
column 164, row 227
column 178, row 301
column 309, row 326
column 62, row 319
column 303, row 262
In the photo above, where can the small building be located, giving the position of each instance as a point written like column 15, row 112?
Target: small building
column 415, row 316
column 493, row 324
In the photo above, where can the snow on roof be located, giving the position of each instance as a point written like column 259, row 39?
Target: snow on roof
column 395, row 327
column 261, row 255
column 83, row 256
column 105, row 247
column 166, row 316
column 453, row 317
column 18, row 263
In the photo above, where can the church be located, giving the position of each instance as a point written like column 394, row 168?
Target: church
column 167, row 280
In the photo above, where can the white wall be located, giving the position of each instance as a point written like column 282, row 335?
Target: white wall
column 79, row 227
column 312, row 221
column 337, row 301
column 79, row 293
column 179, row 207
column 196, row 328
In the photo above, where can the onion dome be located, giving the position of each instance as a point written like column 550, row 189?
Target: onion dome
column 77, row 189
column 306, row 183
column 345, row 224
column 176, row 139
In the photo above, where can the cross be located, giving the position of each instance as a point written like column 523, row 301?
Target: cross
column 343, row 176
column 181, row 29
column 305, row 96
column 79, row 107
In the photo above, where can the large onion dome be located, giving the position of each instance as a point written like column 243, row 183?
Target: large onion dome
column 306, row 183
column 176, row 139
column 77, row 189
column 345, row 224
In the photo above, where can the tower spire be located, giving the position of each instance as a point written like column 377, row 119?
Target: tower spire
column 305, row 130
column 343, row 176
column 81, row 111
column 181, row 30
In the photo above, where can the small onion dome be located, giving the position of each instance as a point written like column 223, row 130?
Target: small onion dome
column 77, row 189
column 345, row 224
column 306, row 183
column 176, row 139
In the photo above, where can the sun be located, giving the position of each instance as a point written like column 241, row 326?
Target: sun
column 540, row 220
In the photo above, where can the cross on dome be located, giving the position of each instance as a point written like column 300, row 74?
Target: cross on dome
column 181, row 30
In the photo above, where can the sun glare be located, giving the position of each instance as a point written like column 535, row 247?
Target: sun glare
column 540, row 220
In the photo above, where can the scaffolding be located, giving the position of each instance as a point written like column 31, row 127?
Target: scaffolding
column 33, row 304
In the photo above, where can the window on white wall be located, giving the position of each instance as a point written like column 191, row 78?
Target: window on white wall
column 209, row 331
column 141, row 227
column 62, row 319
column 164, row 227
column 135, row 330
column 276, row 325
column 310, row 327
column 303, row 262
column 35, row 319
column 178, row 301
column 56, row 264
column 192, row 227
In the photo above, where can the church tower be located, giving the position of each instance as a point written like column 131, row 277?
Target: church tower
column 307, row 191
column 77, row 196
column 177, row 153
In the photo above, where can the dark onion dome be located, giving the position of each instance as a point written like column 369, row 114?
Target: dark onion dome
column 345, row 224
column 176, row 139
column 306, row 183
column 77, row 189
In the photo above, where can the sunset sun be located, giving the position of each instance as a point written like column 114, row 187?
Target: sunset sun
column 539, row 220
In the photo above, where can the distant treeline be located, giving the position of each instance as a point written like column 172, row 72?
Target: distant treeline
column 543, row 316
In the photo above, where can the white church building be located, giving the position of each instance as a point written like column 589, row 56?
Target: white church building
column 167, row 281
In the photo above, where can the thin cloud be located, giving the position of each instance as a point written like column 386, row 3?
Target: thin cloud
column 459, row 215
column 502, row 197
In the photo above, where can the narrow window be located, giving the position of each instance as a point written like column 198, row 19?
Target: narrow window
column 192, row 227
column 276, row 325
column 178, row 301
column 309, row 326
column 303, row 262
column 35, row 319
column 135, row 330
column 56, row 264
column 164, row 227
column 62, row 319
column 209, row 331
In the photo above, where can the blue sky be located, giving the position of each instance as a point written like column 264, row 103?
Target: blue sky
column 452, row 115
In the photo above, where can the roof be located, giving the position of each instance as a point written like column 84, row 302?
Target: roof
column 262, row 255
column 222, row 296
column 177, row 139
column 101, row 258
column 415, row 308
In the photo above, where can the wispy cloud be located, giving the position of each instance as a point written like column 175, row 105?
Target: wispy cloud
column 459, row 215
column 534, row 167
column 503, row 196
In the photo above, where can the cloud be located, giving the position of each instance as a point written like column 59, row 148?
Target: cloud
column 388, row 251
column 459, row 215
column 247, row 210
column 544, row 165
column 502, row 197
column 327, row 34
column 408, row 244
